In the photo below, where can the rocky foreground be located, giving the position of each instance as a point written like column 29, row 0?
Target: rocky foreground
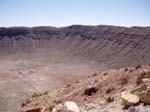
column 114, row 90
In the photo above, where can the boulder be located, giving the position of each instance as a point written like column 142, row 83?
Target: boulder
column 143, row 91
column 71, row 106
column 129, row 99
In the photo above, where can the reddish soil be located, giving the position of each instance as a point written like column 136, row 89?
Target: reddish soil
column 108, row 83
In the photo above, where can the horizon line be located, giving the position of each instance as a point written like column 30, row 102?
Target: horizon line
column 32, row 26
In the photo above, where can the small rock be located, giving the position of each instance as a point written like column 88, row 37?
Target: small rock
column 58, row 100
column 59, row 107
column 71, row 106
column 102, row 102
column 132, row 109
column 54, row 110
column 141, row 108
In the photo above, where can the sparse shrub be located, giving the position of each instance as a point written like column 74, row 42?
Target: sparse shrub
column 46, row 92
column 131, row 70
column 84, row 99
column 110, row 99
column 104, row 74
column 90, row 91
column 23, row 104
column 138, row 66
column 69, row 85
column 96, row 81
column 117, row 68
column 109, row 89
column 27, row 101
column 126, row 69
column 124, row 80
column 77, row 81
column 88, row 76
column 34, row 94
column 96, row 73
column 49, row 109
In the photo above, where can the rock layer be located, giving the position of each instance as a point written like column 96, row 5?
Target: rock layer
column 112, row 45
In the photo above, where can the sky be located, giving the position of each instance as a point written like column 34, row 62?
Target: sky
column 69, row 12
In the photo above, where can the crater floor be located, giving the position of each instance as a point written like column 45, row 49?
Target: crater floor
column 23, row 74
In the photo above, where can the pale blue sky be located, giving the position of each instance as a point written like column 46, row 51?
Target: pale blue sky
column 68, row 12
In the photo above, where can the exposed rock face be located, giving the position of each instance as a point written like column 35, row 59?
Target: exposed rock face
column 143, row 91
column 145, row 96
column 116, row 45
column 140, row 93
